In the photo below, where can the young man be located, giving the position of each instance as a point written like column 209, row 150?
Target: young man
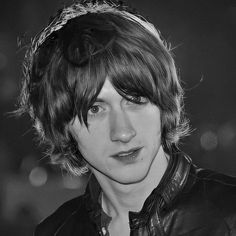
column 103, row 92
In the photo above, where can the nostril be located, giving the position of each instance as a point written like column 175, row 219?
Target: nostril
column 122, row 135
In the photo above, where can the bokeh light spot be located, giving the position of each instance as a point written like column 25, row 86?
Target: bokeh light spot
column 209, row 140
column 227, row 135
column 38, row 176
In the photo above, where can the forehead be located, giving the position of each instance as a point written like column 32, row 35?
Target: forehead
column 108, row 92
column 107, row 88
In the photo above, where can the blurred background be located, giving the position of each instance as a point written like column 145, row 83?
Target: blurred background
column 202, row 34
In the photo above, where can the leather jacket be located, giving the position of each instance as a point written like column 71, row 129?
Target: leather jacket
column 188, row 201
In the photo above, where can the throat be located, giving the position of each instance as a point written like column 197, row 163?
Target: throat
column 119, row 227
column 118, row 199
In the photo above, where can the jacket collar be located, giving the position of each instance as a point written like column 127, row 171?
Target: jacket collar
column 93, row 204
column 162, row 196
column 175, row 178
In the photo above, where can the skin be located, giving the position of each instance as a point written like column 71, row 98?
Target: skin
column 115, row 125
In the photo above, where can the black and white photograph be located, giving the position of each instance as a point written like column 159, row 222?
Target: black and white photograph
column 118, row 118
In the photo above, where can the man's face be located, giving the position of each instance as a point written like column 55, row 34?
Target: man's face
column 122, row 139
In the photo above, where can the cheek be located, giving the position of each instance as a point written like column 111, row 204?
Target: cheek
column 91, row 141
column 148, row 122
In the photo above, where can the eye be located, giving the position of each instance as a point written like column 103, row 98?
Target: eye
column 137, row 100
column 94, row 110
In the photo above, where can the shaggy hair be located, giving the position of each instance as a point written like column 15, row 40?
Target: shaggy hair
column 67, row 65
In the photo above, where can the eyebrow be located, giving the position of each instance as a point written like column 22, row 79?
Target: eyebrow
column 99, row 100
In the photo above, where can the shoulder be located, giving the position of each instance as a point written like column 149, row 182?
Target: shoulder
column 207, row 203
column 212, row 196
column 52, row 223
column 217, row 187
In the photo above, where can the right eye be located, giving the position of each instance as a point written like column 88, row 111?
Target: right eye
column 95, row 110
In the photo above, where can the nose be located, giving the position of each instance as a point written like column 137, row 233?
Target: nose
column 121, row 128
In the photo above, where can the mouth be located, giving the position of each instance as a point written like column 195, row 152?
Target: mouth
column 129, row 155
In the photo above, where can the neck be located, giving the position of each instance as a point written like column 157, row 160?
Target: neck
column 118, row 199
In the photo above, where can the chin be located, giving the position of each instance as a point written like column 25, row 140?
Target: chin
column 130, row 177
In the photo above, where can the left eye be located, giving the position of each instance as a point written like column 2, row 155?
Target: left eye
column 138, row 100
column 95, row 109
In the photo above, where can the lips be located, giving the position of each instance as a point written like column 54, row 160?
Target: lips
column 130, row 154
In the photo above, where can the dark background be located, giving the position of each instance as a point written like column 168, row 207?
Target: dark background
column 202, row 35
